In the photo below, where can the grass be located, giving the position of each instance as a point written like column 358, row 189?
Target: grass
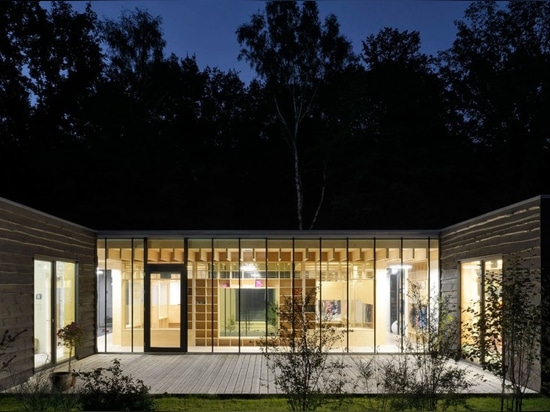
column 196, row 403
column 356, row 403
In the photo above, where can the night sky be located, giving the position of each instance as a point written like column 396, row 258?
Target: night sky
column 206, row 28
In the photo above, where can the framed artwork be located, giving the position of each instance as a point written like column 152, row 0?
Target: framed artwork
column 331, row 310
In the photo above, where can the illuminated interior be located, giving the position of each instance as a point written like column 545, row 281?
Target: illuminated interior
column 54, row 308
column 475, row 275
column 222, row 294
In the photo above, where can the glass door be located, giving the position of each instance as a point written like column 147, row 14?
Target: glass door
column 54, row 308
column 165, row 323
column 43, row 320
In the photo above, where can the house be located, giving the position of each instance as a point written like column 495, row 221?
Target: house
column 214, row 291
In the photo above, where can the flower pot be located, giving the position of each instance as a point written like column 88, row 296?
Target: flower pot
column 61, row 381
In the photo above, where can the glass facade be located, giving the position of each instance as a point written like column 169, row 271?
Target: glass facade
column 220, row 293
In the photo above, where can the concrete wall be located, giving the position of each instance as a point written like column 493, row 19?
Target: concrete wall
column 24, row 234
column 515, row 229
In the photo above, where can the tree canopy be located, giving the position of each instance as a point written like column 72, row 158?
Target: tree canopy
column 100, row 126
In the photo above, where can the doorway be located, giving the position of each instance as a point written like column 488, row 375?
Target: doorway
column 54, row 308
column 165, row 309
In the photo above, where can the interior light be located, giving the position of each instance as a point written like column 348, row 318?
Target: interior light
column 249, row 267
column 396, row 267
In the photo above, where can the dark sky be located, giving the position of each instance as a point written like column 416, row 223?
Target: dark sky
column 206, row 28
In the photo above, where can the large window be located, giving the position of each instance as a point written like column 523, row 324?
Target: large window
column 54, row 308
column 120, row 287
column 475, row 276
column 232, row 288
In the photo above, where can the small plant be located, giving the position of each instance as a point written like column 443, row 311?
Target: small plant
column 427, row 377
column 367, row 371
column 6, row 357
column 108, row 389
column 38, row 393
column 71, row 335
column 5, row 343
column 298, row 357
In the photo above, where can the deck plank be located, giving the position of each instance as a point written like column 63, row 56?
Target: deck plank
column 229, row 373
column 219, row 379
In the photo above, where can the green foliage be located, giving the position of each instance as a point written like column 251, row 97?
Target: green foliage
column 108, row 389
column 298, row 356
column 198, row 403
column 201, row 403
column 71, row 335
column 506, row 325
column 427, row 375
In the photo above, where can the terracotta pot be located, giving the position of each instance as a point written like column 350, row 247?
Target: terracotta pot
column 62, row 381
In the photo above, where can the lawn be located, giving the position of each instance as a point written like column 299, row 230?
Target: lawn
column 275, row 404
column 355, row 403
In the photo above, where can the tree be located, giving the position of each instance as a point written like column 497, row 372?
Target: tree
column 135, row 41
column 396, row 145
column 497, row 70
column 14, row 85
column 505, row 330
column 298, row 356
column 50, row 62
column 292, row 54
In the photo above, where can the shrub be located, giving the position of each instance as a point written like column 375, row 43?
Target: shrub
column 427, row 376
column 39, row 394
column 504, row 333
column 108, row 389
column 298, row 357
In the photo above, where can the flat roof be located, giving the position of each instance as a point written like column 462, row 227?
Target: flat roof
column 273, row 234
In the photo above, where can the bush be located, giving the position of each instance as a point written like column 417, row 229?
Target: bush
column 298, row 357
column 39, row 394
column 108, row 389
column 427, row 376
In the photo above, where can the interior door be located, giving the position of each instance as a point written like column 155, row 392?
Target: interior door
column 165, row 319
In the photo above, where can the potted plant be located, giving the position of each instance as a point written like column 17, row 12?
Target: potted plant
column 70, row 335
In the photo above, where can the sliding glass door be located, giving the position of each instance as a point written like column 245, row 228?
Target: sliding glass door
column 54, row 308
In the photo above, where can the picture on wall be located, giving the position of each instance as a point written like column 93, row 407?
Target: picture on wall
column 331, row 310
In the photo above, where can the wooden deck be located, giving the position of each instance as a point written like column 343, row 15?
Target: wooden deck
column 236, row 374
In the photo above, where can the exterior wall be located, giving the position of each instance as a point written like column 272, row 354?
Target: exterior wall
column 25, row 234
column 515, row 229
column 545, row 285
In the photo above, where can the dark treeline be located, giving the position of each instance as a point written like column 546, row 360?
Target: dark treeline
column 99, row 126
